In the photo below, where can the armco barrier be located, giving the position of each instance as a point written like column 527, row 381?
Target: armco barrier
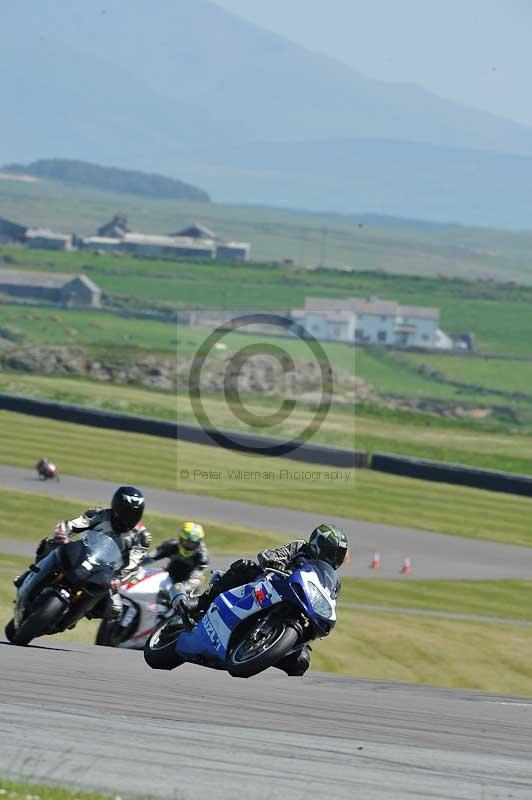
column 452, row 473
column 100, row 418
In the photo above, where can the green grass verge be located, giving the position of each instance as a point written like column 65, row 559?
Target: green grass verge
column 444, row 440
column 149, row 461
column 29, row 517
column 26, row 790
column 505, row 599
column 423, row 650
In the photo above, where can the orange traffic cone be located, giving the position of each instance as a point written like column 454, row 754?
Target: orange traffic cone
column 406, row 569
column 376, row 560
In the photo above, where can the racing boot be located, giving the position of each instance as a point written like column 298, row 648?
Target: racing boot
column 19, row 579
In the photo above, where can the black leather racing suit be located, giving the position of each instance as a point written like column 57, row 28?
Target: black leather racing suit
column 185, row 572
column 244, row 571
column 133, row 545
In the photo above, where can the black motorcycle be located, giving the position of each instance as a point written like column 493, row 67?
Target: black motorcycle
column 63, row 587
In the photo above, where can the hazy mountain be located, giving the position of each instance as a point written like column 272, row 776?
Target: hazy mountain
column 159, row 86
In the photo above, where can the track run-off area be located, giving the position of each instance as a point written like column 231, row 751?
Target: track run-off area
column 433, row 555
column 97, row 718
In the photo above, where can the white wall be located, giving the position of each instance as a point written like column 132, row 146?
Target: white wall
column 373, row 324
column 321, row 328
column 425, row 335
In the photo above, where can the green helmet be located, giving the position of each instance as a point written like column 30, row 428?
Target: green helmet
column 328, row 543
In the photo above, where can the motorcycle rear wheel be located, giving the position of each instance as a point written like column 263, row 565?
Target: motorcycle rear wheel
column 159, row 650
column 39, row 621
column 252, row 655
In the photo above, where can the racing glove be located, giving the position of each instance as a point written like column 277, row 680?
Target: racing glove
column 60, row 534
column 273, row 563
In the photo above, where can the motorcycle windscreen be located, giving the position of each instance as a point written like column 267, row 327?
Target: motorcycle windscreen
column 328, row 577
column 102, row 550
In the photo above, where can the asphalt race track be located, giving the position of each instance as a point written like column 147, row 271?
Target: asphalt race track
column 98, row 718
column 433, row 555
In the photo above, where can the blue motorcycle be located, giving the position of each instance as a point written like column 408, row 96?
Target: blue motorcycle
column 253, row 627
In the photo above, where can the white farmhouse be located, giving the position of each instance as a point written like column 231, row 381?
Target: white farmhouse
column 372, row 321
column 334, row 325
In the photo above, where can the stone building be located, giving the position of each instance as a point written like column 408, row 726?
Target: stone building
column 54, row 287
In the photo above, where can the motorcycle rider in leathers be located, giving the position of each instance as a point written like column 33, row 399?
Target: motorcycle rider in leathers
column 188, row 561
column 326, row 542
column 122, row 523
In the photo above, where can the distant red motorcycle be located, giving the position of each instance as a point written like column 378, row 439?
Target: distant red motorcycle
column 46, row 470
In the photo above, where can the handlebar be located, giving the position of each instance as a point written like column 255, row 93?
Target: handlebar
column 275, row 571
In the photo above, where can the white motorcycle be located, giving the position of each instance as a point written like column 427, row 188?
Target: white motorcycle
column 144, row 607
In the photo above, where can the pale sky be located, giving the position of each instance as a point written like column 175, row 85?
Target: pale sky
column 478, row 52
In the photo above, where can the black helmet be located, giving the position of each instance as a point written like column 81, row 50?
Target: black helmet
column 328, row 543
column 127, row 507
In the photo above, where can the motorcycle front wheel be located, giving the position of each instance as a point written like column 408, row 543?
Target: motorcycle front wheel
column 39, row 621
column 261, row 648
column 110, row 634
column 159, row 650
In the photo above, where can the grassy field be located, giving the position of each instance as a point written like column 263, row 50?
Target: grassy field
column 504, row 375
column 62, row 327
column 277, row 234
column 26, row 790
column 504, row 385
column 148, row 461
column 496, row 314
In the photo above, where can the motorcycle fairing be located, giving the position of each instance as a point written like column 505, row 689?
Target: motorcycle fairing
column 210, row 638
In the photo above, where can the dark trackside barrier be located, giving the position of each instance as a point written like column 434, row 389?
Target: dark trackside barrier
column 452, row 473
column 241, row 442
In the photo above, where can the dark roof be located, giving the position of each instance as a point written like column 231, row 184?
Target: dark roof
column 197, row 231
column 13, row 228
column 48, row 280
column 115, row 228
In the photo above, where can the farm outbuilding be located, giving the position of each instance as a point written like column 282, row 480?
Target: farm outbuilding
column 233, row 251
column 197, row 231
column 99, row 243
column 224, row 251
column 169, row 246
column 115, row 228
column 11, row 231
column 81, row 291
column 43, row 239
column 54, row 287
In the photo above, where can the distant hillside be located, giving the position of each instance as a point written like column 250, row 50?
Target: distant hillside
column 111, row 179
column 195, row 92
